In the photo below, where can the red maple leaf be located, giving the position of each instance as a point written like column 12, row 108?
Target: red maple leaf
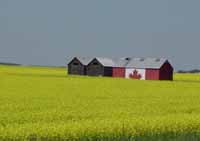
column 135, row 75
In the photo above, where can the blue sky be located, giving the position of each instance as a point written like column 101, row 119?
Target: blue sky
column 48, row 32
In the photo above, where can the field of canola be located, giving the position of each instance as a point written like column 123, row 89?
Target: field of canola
column 40, row 103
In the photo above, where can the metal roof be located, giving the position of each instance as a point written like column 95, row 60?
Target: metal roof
column 108, row 62
column 85, row 60
column 121, row 62
column 153, row 63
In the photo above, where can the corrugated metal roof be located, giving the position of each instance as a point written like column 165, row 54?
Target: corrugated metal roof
column 85, row 60
column 108, row 62
column 121, row 62
column 154, row 63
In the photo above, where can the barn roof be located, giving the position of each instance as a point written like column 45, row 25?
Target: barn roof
column 84, row 60
column 153, row 63
column 108, row 62
column 121, row 62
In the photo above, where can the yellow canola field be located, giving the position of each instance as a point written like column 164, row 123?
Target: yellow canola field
column 41, row 103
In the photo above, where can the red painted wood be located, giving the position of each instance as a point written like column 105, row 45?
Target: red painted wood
column 152, row 74
column 119, row 72
column 166, row 72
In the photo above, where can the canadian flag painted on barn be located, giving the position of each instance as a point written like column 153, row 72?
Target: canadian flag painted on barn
column 131, row 68
column 133, row 73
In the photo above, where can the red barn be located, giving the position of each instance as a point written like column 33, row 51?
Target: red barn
column 149, row 69
column 119, row 69
column 119, row 72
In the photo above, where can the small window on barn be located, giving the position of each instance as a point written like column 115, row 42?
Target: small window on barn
column 75, row 64
column 95, row 63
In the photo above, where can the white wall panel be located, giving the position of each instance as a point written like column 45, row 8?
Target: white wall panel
column 132, row 73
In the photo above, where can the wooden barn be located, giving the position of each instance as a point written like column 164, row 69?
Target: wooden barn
column 119, row 69
column 100, row 67
column 78, row 65
column 131, row 68
column 149, row 69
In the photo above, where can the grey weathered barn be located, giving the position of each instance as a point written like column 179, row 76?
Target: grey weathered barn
column 100, row 67
column 78, row 65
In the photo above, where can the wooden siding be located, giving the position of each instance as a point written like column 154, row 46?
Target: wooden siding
column 95, row 68
column 108, row 71
column 76, row 68
column 152, row 74
column 166, row 72
column 119, row 72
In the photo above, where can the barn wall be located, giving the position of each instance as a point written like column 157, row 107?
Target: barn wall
column 166, row 72
column 152, row 74
column 95, row 69
column 119, row 72
column 133, row 73
column 85, row 70
column 107, row 71
column 76, row 68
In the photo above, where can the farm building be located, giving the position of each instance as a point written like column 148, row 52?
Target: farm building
column 131, row 68
column 100, row 67
column 119, row 69
column 78, row 65
column 149, row 69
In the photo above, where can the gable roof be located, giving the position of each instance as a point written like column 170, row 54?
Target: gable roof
column 83, row 60
column 108, row 62
column 153, row 63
